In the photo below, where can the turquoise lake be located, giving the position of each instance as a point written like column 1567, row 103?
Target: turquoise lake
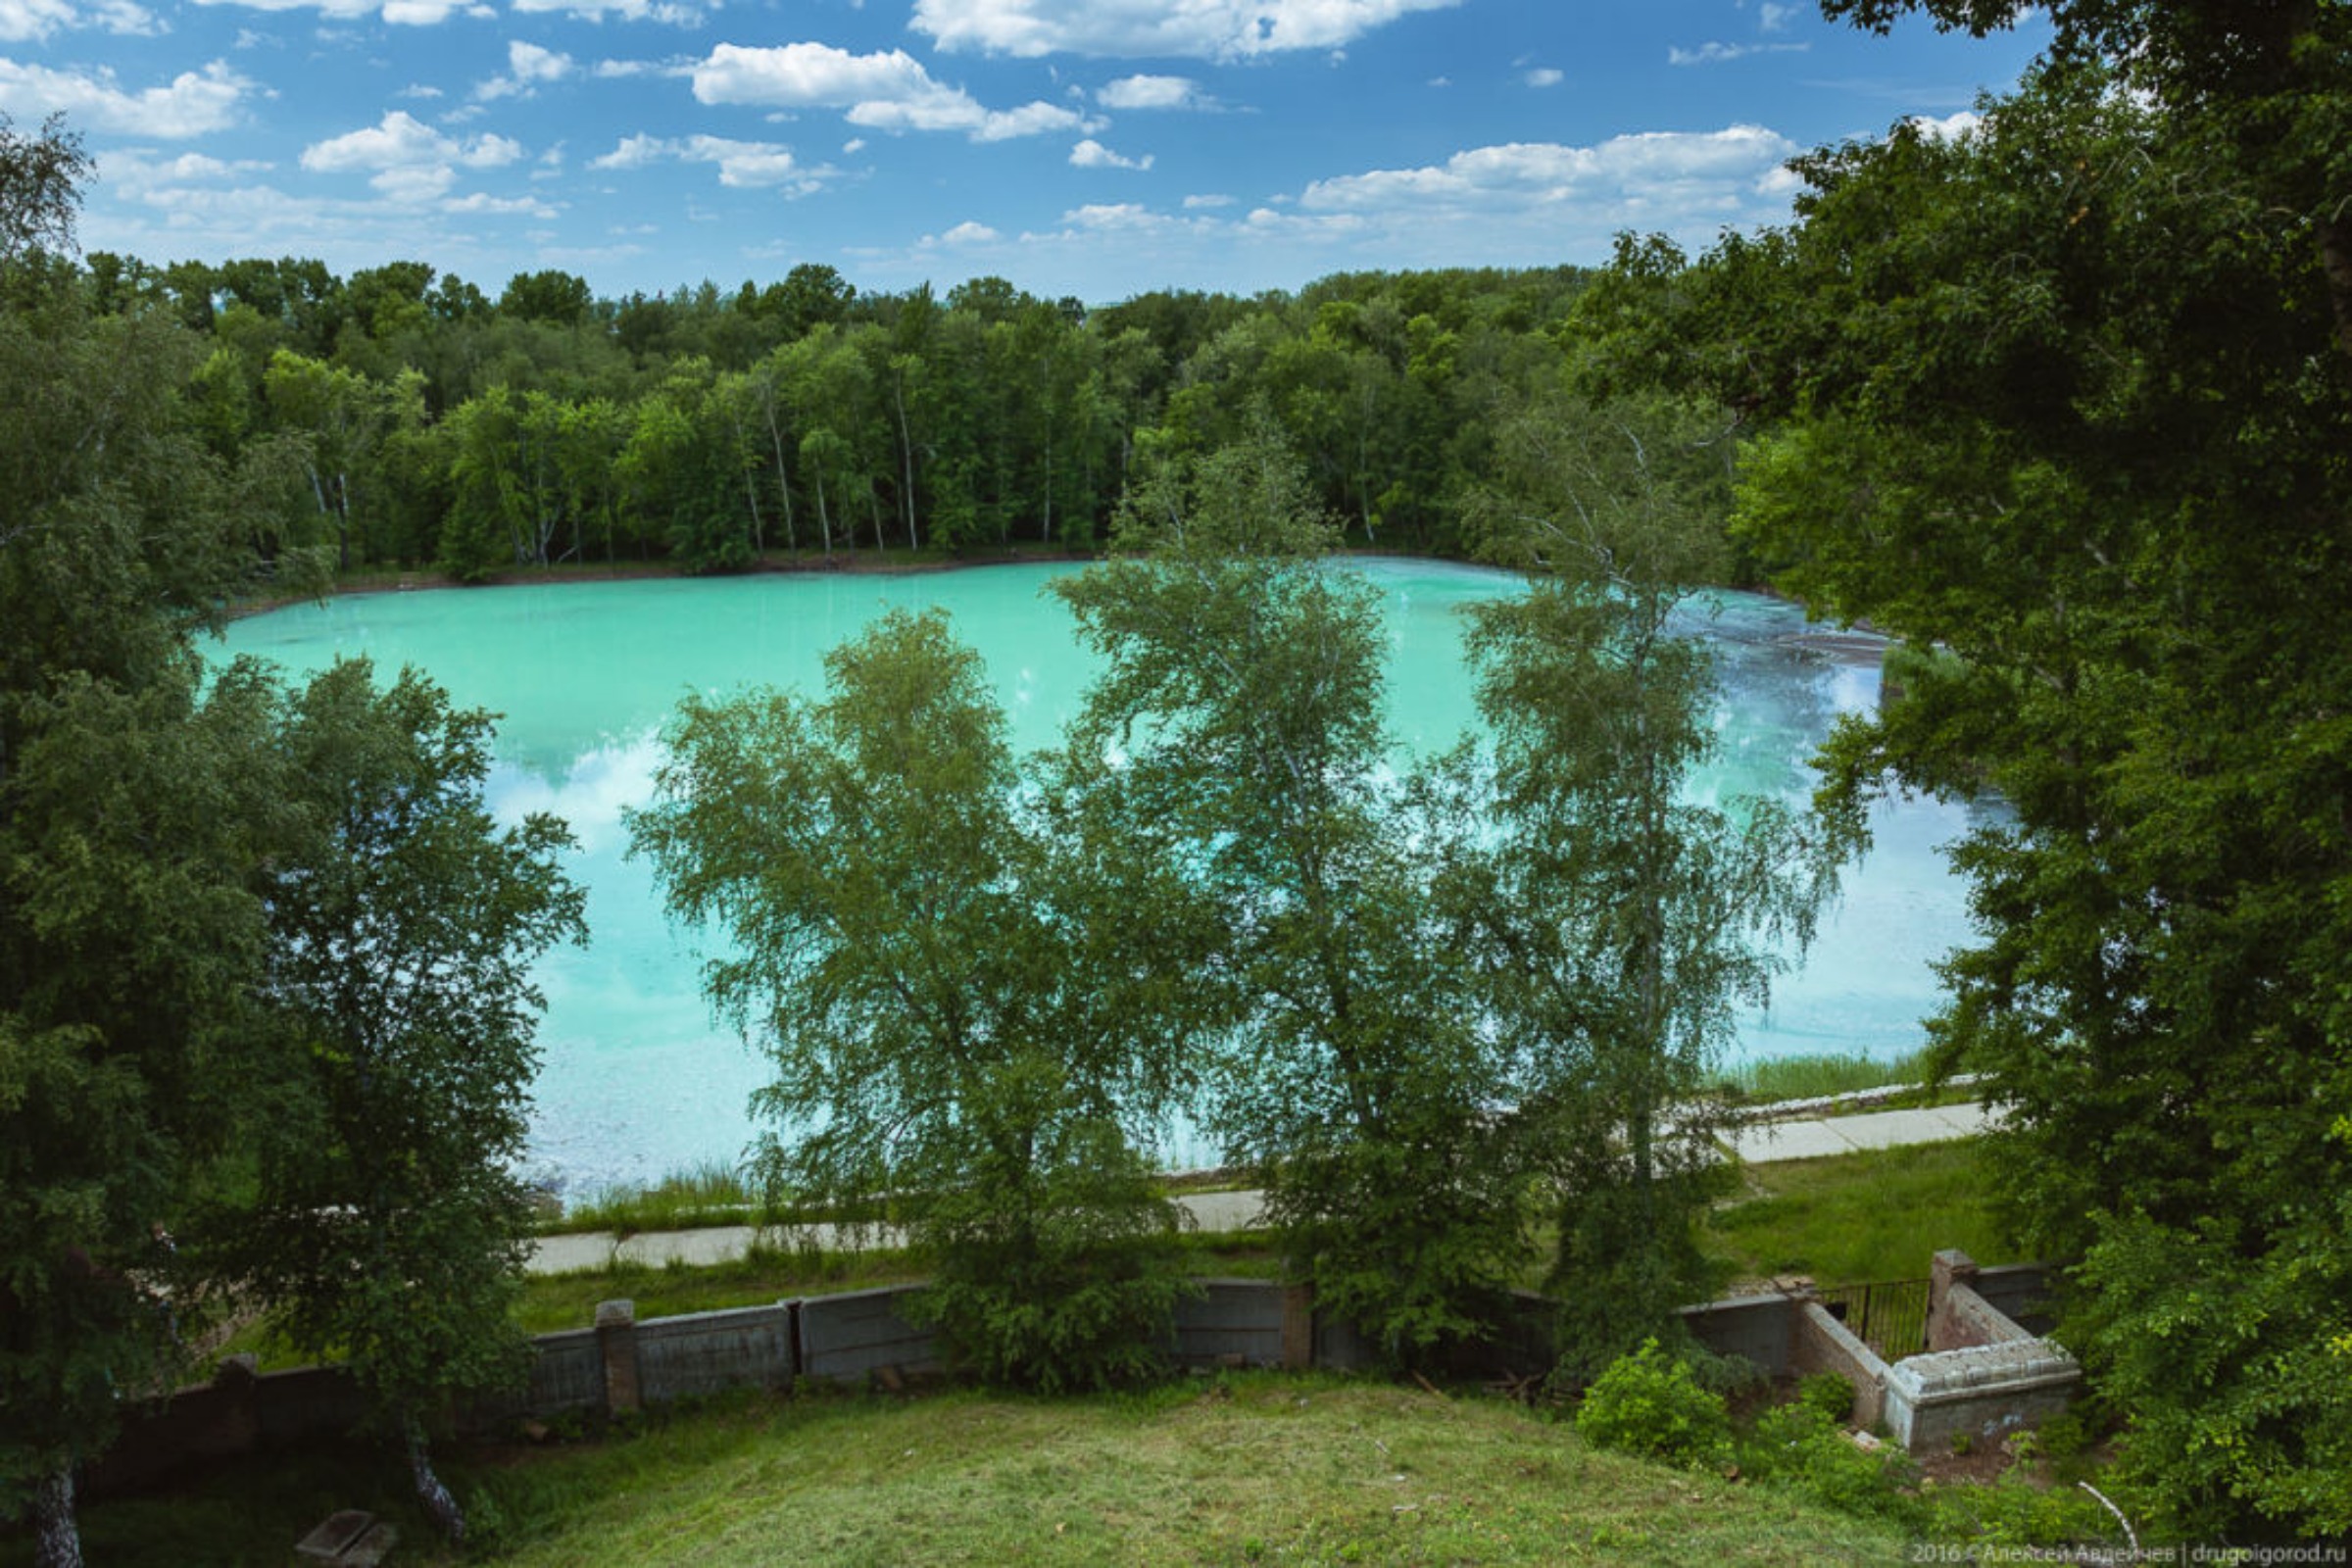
column 637, row 1080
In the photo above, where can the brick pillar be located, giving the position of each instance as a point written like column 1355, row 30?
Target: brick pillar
column 616, row 1342
column 1297, row 1327
column 1948, row 1268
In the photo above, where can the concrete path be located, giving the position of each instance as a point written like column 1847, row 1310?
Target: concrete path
column 1813, row 1137
column 1763, row 1143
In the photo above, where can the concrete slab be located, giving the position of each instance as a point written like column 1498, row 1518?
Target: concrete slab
column 1789, row 1140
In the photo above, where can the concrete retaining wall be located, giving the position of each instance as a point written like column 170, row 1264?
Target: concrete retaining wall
column 863, row 1334
column 1819, row 1342
column 2020, row 1293
column 1758, row 1327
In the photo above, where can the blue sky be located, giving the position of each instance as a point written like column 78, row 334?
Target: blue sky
column 1089, row 147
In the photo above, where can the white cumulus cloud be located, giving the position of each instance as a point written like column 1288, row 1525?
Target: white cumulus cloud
column 480, row 204
column 1660, row 167
column 528, row 68
column 740, row 164
column 1091, row 153
column 1151, row 92
column 399, row 12
column 33, row 20
column 1545, row 76
column 881, row 91
column 1951, row 127
column 1205, row 30
column 672, row 13
column 405, row 158
column 193, row 104
column 24, row 21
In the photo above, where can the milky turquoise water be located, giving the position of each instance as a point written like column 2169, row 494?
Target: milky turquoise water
column 637, row 1080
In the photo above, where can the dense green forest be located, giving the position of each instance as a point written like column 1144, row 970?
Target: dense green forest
column 707, row 427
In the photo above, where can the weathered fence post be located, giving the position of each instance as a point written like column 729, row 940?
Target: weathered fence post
column 1297, row 1327
column 616, row 1344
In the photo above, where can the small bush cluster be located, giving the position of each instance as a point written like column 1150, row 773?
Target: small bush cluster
column 1650, row 1404
column 1797, row 1447
column 1654, row 1406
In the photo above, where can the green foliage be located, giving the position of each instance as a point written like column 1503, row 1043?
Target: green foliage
column 2231, row 1370
column 405, row 923
column 1617, row 923
column 965, row 1037
column 41, row 181
column 131, row 826
column 1805, row 1449
column 1628, row 1254
column 2015, row 1511
column 2108, row 492
column 1649, row 1406
column 1056, row 1273
column 1241, row 691
column 1829, row 1393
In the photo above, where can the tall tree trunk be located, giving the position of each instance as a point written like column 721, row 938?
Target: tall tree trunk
column 824, row 521
column 898, row 396
column 1045, row 532
column 56, row 1536
column 776, row 439
column 439, row 1507
column 751, row 493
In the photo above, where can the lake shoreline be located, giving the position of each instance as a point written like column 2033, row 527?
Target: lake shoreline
column 868, row 565
column 846, row 566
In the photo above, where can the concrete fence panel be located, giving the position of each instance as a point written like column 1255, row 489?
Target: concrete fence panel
column 682, row 1358
column 2020, row 1293
column 1757, row 1327
column 845, row 1337
column 568, row 1373
column 304, row 1402
column 1228, row 1319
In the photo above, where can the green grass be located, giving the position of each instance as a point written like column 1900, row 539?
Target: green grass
column 556, row 1302
column 712, row 1193
column 1816, row 1077
column 1857, row 1217
column 1239, row 1469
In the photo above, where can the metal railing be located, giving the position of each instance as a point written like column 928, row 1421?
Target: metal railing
column 1891, row 1316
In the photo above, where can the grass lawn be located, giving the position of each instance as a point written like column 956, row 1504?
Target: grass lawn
column 553, row 1302
column 1243, row 1468
column 1856, row 1217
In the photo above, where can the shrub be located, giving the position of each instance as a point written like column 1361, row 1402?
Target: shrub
column 1799, row 1447
column 2014, row 1512
column 1829, row 1393
column 1058, row 1271
column 1649, row 1406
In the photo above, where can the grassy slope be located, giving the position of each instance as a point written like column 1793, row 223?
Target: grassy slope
column 1253, row 1468
column 1855, row 1217
column 1247, row 1468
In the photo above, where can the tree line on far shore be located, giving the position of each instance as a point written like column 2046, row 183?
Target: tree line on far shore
column 708, row 428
